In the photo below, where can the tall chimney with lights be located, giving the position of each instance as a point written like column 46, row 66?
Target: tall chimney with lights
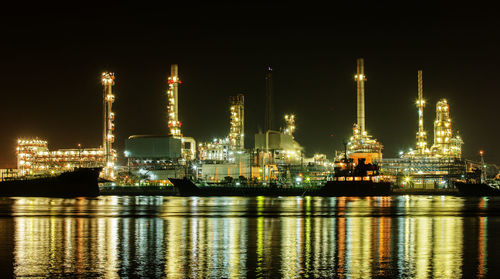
column 108, row 80
column 421, row 134
column 173, row 105
column 360, row 79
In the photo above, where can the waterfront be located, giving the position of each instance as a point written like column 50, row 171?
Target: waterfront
column 238, row 237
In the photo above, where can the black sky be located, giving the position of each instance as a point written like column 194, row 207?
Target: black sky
column 52, row 56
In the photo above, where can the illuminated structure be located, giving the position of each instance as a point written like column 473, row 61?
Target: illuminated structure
column 237, row 123
column 278, row 156
column 108, row 80
column 34, row 157
column 219, row 160
column 421, row 134
column 217, row 150
column 434, row 168
column 173, row 101
column 280, row 147
column 290, row 124
column 445, row 145
column 222, row 158
column 188, row 144
column 360, row 82
column 361, row 144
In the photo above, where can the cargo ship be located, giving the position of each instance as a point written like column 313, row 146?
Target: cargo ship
column 81, row 182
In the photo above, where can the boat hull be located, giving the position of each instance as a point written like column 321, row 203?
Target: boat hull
column 81, row 182
column 186, row 187
column 476, row 189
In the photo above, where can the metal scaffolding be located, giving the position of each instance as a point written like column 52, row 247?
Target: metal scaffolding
column 421, row 134
column 424, row 172
column 237, row 122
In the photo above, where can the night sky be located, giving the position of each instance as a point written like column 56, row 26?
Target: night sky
column 52, row 56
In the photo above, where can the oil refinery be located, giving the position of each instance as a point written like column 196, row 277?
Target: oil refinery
column 276, row 159
column 34, row 156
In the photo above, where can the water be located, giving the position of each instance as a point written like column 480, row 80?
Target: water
column 255, row 237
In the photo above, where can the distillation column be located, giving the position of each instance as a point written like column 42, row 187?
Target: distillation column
column 173, row 109
column 442, row 130
column 108, row 80
column 360, row 79
column 421, row 134
column 237, row 122
column 290, row 124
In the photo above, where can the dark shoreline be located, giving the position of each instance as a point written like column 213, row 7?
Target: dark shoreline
column 252, row 191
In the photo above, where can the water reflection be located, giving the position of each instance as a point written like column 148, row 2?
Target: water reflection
column 112, row 237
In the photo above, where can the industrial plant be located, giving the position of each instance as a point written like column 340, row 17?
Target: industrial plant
column 277, row 159
column 34, row 156
column 434, row 167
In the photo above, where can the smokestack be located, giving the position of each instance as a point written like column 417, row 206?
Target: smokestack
column 268, row 125
column 174, row 124
column 421, row 134
column 360, row 79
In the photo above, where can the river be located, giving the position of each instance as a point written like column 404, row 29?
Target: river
column 250, row 237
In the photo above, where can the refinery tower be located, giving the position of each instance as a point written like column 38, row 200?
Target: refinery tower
column 188, row 149
column 446, row 145
column 108, row 81
column 174, row 124
column 361, row 144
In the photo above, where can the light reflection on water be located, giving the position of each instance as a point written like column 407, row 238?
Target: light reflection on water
column 236, row 237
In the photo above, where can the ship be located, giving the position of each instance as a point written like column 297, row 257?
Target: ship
column 477, row 189
column 349, row 180
column 80, row 182
column 187, row 187
column 356, row 180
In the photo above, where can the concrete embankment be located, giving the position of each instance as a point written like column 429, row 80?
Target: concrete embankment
column 208, row 190
column 249, row 191
column 137, row 191
column 435, row 192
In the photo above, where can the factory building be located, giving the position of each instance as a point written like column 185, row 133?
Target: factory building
column 217, row 150
column 34, row 157
column 154, row 158
column 149, row 147
column 219, row 159
column 278, row 157
column 226, row 158
column 238, row 166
